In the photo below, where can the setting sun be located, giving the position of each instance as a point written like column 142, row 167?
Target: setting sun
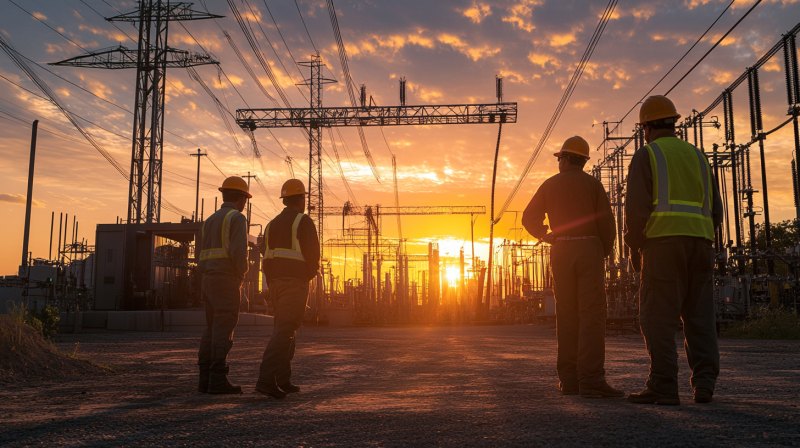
column 452, row 274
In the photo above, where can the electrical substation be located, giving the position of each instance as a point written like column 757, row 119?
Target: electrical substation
column 141, row 263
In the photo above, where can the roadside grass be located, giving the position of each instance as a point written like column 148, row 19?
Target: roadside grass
column 777, row 323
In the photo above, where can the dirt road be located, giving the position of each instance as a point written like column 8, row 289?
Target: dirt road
column 410, row 386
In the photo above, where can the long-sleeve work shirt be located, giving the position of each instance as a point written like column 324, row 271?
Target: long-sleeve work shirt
column 576, row 204
column 639, row 199
column 236, row 265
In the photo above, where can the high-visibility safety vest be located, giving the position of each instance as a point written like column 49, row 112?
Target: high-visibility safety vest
column 294, row 252
column 218, row 252
column 682, row 191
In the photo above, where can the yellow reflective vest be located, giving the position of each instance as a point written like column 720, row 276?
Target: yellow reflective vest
column 294, row 252
column 225, row 238
column 682, row 190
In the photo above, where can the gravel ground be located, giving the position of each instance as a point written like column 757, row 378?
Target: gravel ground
column 409, row 386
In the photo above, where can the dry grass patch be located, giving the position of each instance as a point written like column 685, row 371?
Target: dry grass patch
column 26, row 356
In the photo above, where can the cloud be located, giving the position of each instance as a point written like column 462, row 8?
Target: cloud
column 18, row 199
column 424, row 94
column 474, row 53
column 477, row 12
column 559, row 40
column 39, row 15
column 521, row 13
column 111, row 34
column 721, row 76
column 581, row 105
column 543, row 59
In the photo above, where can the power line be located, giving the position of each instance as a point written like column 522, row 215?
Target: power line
column 573, row 83
column 715, row 46
column 348, row 81
column 304, row 26
column 45, row 24
column 675, row 65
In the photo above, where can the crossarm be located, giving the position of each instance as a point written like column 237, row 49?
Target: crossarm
column 121, row 57
column 377, row 116
column 409, row 210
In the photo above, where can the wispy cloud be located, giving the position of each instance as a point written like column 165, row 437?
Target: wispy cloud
column 18, row 199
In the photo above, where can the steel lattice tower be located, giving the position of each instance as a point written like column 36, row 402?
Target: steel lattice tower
column 315, row 82
column 151, row 60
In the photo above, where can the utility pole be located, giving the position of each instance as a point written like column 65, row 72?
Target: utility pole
column 197, row 194
column 29, row 201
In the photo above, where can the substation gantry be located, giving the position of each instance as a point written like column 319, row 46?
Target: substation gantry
column 312, row 119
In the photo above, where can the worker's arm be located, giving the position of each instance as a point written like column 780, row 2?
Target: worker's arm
column 238, row 244
column 638, row 203
column 606, row 227
column 309, row 245
column 533, row 216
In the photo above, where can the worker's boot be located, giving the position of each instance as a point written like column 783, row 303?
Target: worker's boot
column 702, row 396
column 649, row 396
column 289, row 388
column 218, row 381
column 202, row 385
column 600, row 390
column 269, row 387
column 568, row 390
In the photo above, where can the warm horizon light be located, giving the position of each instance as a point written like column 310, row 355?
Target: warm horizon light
column 448, row 51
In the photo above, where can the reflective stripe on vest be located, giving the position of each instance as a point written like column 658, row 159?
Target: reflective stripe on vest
column 218, row 252
column 681, row 206
column 294, row 253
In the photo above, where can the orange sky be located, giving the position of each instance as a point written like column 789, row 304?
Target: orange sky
column 449, row 51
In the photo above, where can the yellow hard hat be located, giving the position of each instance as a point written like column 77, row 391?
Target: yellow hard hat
column 236, row 183
column 575, row 145
column 657, row 107
column 292, row 187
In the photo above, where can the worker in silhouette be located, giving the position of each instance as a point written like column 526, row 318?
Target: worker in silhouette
column 291, row 261
column 582, row 235
column 223, row 263
column 672, row 209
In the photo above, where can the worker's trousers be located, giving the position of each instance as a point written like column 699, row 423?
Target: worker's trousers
column 221, row 300
column 578, row 271
column 289, row 298
column 677, row 285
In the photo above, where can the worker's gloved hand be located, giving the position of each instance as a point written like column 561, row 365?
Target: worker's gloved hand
column 550, row 238
column 636, row 261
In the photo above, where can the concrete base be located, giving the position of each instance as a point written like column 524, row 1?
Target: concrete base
column 180, row 321
column 86, row 319
column 174, row 321
column 337, row 317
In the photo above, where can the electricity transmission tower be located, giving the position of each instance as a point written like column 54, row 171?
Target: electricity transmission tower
column 151, row 60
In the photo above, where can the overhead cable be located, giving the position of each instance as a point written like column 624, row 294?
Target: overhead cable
column 53, row 98
column 715, row 46
column 573, row 83
column 348, row 80
column 675, row 65
column 254, row 46
column 304, row 26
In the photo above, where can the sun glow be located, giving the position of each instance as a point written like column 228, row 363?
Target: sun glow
column 453, row 275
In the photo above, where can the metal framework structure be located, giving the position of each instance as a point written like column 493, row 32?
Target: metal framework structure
column 368, row 114
column 151, row 60
column 744, row 247
column 377, row 115
column 352, row 210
